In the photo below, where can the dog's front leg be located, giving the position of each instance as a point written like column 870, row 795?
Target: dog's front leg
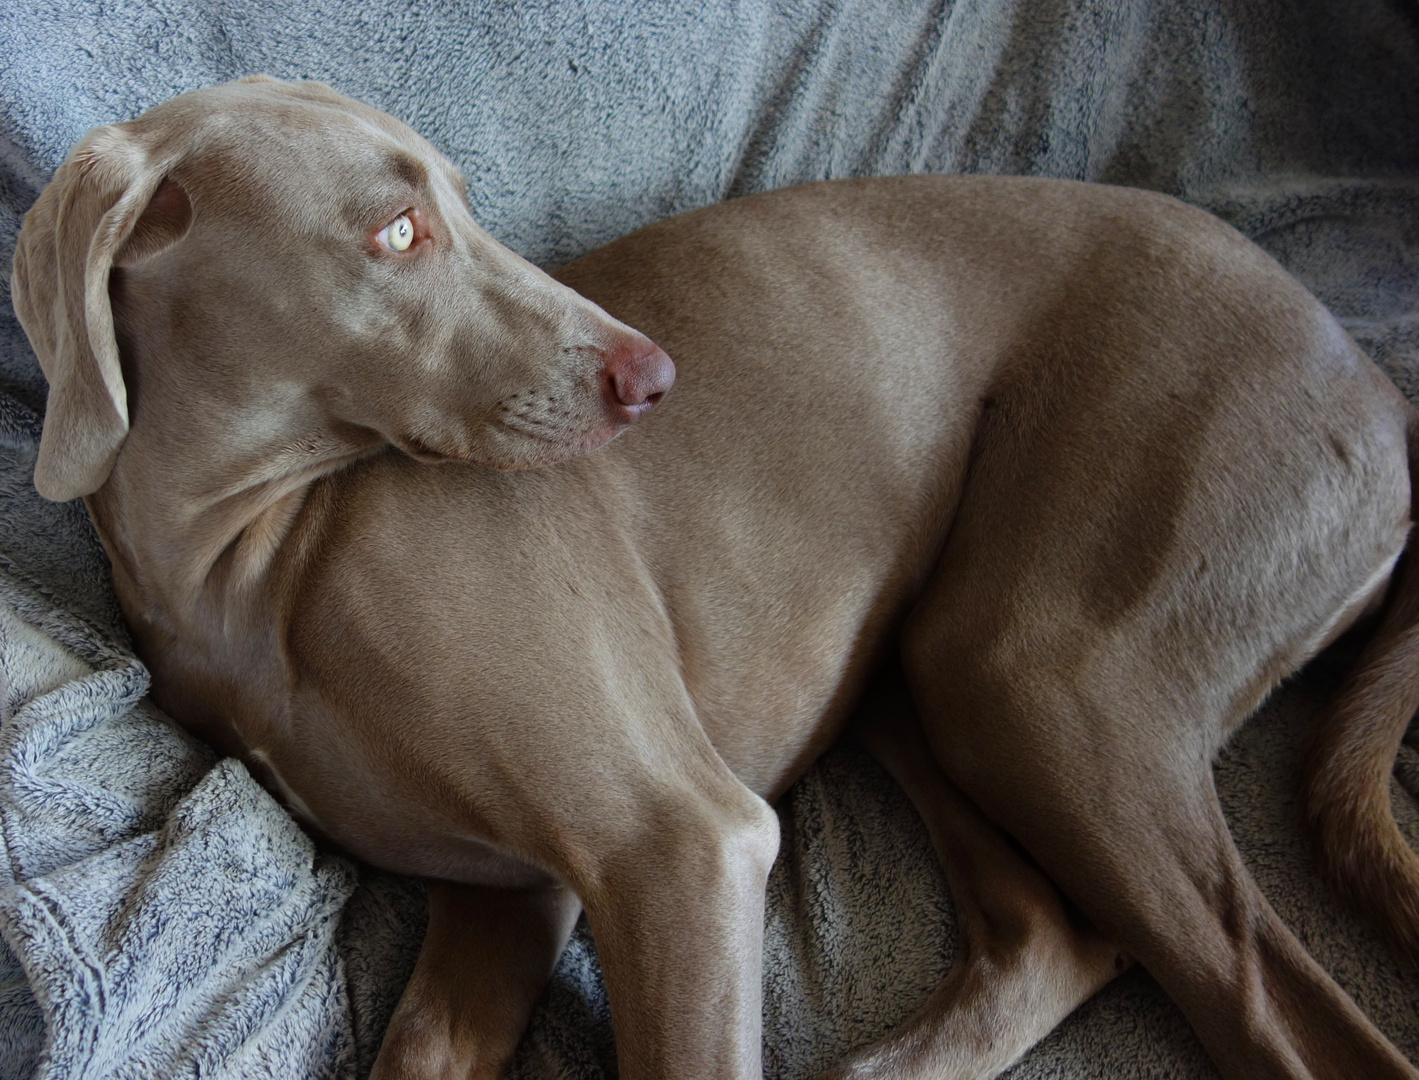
column 676, row 905
column 486, row 958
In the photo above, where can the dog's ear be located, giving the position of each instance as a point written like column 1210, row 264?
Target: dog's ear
column 164, row 222
column 91, row 211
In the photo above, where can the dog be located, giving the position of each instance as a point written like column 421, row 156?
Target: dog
column 1067, row 477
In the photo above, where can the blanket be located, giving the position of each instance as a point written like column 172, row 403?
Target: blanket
column 160, row 915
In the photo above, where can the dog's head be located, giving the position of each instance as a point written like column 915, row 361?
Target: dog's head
column 297, row 277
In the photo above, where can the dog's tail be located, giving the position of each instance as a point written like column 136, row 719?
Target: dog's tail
column 1349, row 757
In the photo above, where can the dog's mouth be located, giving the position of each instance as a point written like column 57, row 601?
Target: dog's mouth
column 417, row 447
column 549, row 452
column 523, row 449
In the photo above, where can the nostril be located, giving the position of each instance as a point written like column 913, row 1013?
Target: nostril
column 631, row 391
column 637, row 375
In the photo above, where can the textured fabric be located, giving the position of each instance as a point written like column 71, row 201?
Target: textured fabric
column 160, row 916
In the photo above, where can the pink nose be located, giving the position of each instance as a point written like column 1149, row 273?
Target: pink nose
column 635, row 378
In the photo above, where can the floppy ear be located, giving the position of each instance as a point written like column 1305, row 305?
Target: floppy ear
column 60, row 286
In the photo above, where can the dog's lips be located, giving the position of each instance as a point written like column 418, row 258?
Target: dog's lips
column 550, row 452
column 543, row 451
column 416, row 447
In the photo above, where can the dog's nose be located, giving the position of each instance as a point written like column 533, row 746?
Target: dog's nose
column 635, row 378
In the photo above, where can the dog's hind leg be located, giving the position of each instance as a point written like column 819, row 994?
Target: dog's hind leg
column 1135, row 836
column 1160, row 522
column 1091, row 744
column 1024, row 958
column 486, row 959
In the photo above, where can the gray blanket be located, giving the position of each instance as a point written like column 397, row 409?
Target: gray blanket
column 161, row 916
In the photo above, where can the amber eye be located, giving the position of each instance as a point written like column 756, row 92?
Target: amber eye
column 398, row 234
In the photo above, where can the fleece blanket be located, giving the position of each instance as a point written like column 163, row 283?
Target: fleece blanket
column 160, row 915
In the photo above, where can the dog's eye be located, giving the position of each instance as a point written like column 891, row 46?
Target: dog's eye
column 398, row 234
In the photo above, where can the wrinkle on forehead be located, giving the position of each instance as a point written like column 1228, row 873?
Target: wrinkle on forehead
column 338, row 165
column 338, row 176
column 393, row 180
column 408, row 168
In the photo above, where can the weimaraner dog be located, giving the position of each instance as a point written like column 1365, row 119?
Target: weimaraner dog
column 1067, row 476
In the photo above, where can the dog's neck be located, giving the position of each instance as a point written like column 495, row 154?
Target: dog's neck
column 196, row 539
